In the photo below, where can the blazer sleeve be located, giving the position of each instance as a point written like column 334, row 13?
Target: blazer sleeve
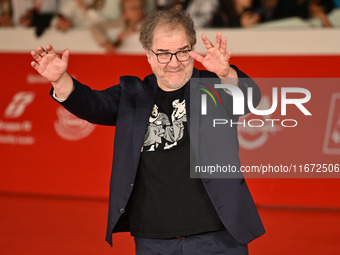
column 245, row 83
column 94, row 106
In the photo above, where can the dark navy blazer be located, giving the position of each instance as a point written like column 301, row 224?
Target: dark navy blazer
column 128, row 106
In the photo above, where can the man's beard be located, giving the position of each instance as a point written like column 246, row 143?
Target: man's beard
column 176, row 85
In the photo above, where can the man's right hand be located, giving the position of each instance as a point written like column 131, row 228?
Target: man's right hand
column 54, row 69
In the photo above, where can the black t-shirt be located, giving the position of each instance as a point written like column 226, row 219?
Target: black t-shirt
column 166, row 202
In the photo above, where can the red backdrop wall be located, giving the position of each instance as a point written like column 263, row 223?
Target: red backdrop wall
column 46, row 151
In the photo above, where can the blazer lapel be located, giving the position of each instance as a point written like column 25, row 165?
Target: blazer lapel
column 144, row 103
column 192, row 101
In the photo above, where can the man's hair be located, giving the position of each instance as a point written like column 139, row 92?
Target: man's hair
column 169, row 19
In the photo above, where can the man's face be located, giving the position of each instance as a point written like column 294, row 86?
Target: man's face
column 175, row 74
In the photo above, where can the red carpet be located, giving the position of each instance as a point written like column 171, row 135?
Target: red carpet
column 50, row 226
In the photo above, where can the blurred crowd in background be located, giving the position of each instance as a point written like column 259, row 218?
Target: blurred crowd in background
column 101, row 16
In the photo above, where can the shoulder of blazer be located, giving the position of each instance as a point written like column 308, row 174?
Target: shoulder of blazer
column 133, row 83
column 208, row 74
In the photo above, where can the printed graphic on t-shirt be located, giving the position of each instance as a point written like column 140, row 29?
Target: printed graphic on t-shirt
column 163, row 131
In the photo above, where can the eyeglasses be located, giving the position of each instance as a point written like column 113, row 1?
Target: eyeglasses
column 165, row 57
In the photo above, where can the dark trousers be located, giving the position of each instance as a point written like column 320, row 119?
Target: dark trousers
column 211, row 243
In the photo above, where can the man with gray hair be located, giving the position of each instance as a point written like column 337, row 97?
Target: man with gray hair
column 151, row 192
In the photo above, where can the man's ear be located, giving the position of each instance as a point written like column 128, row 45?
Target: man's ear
column 147, row 53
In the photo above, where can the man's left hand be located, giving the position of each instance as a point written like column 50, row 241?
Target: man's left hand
column 217, row 58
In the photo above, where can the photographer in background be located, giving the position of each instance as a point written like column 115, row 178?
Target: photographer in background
column 128, row 24
column 34, row 13
column 83, row 13
column 5, row 13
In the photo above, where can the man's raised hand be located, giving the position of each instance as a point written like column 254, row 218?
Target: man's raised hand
column 49, row 64
column 54, row 69
column 217, row 58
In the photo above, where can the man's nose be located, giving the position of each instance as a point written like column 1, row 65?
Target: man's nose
column 174, row 62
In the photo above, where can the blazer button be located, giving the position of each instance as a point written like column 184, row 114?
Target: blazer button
column 122, row 210
column 131, row 185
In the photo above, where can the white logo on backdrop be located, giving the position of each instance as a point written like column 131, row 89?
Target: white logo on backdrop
column 18, row 104
column 251, row 138
column 71, row 128
column 36, row 79
column 17, row 132
column 331, row 144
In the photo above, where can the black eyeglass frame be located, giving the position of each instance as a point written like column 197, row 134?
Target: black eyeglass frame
column 172, row 54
